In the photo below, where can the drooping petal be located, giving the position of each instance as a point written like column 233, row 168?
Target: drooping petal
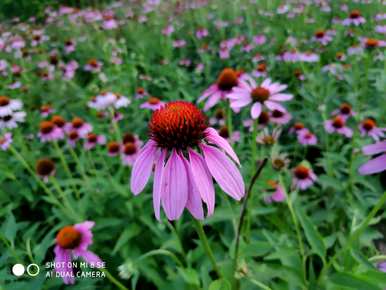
column 174, row 187
column 212, row 136
column 212, row 100
column 158, row 172
column 374, row 148
column 256, row 110
column 85, row 230
column 194, row 204
column 142, row 167
column 375, row 165
column 224, row 171
column 275, row 106
column 202, row 178
column 92, row 259
column 62, row 260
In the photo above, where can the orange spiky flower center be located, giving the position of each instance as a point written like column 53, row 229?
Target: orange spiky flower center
column 345, row 109
column 77, row 122
column 224, row 132
column 368, row 124
column 319, row 34
column 69, row 237
column 113, row 147
column 371, row 42
column 44, row 167
column 355, row 14
column 92, row 138
column 260, row 94
column 4, row 101
column 46, row 127
column 227, row 79
column 177, row 125
column 338, row 122
column 130, row 148
column 58, row 121
column 153, row 100
column 301, row 172
column 277, row 114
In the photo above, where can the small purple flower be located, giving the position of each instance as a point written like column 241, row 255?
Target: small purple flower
column 5, row 141
column 73, row 242
column 78, row 125
column 338, row 125
column 50, row 132
column 278, row 195
column 303, row 177
column 369, row 127
column 378, row 164
column 92, row 140
column 152, row 103
column 305, row 137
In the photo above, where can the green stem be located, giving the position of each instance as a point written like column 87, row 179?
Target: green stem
column 229, row 120
column 201, row 234
column 355, row 235
column 115, row 126
column 297, row 228
column 113, row 279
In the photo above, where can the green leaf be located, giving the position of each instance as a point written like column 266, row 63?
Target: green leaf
column 126, row 235
column 190, row 276
column 353, row 281
column 220, row 284
column 313, row 236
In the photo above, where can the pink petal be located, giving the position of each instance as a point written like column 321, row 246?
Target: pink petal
column 91, row 259
column 62, row 258
column 375, row 165
column 274, row 106
column 281, row 97
column 202, row 178
column 142, row 168
column 256, row 110
column 213, row 100
column 212, row 136
column 194, row 204
column 158, row 172
column 374, row 148
column 224, row 171
column 174, row 187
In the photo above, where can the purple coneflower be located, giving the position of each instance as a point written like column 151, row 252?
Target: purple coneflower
column 267, row 94
column 278, row 195
column 92, row 140
column 5, row 141
column 344, row 111
column 186, row 154
column 129, row 153
column 113, row 148
column 93, row 65
column 45, row 168
column 378, row 164
column 355, row 18
column 226, row 82
column 48, row 131
column 303, row 177
column 305, row 137
column 153, row 103
column 46, row 110
column 323, row 37
column 73, row 242
column 79, row 125
column 369, row 127
column 279, row 117
column 338, row 125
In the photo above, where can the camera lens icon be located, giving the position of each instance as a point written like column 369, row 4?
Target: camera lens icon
column 19, row 269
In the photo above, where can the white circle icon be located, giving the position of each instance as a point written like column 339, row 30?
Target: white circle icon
column 33, row 270
column 18, row 270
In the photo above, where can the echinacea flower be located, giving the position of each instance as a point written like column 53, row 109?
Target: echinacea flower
column 8, row 106
column 92, row 140
column 5, row 141
column 79, row 125
column 10, row 114
column 297, row 128
column 280, row 117
column 113, row 148
column 45, row 168
column 345, row 111
column 279, row 161
column 186, row 154
column 338, row 125
column 369, row 127
column 129, row 153
column 93, row 65
column 303, row 177
column 73, row 242
column 49, row 132
column 72, row 137
column 218, row 118
column 266, row 94
column 378, row 164
column 46, row 110
column 260, row 71
column 267, row 138
column 226, row 82
column 355, row 18
column 231, row 138
column 152, row 103
column 323, row 37
column 278, row 194
column 306, row 137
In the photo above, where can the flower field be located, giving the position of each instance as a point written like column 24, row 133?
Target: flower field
column 206, row 144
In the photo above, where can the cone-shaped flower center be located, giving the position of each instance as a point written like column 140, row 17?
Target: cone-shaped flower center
column 113, row 147
column 140, row 90
column 338, row 122
column 219, row 114
column 345, row 109
column 45, row 108
column 46, row 127
column 278, row 163
column 277, row 114
column 73, row 135
column 260, row 94
column 227, row 79
column 128, row 138
column 263, row 118
column 177, row 125
column 130, row 148
column 319, row 34
column 153, row 101
column 45, row 167
column 308, row 135
column 262, row 67
column 58, row 121
column 224, row 132
column 368, row 124
column 4, row 101
column 68, row 237
column 355, row 14
column 301, row 172
column 77, row 122
column 269, row 140
column 92, row 138
column 93, row 62
column 371, row 42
